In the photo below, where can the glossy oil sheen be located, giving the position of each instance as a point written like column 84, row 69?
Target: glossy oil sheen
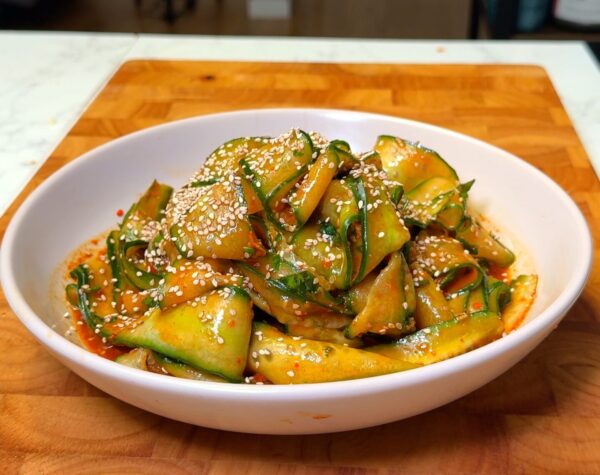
column 79, row 201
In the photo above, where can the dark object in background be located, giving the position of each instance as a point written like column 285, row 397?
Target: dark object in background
column 507, row 17
column 410, row 19
column 170, row 14
column 20, row 3
column 581, row 15
column 12, row 11
column 595, row 47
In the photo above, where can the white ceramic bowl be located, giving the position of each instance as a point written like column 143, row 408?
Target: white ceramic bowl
column 80, row 200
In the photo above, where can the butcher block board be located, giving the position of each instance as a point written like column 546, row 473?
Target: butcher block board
column 541, row 416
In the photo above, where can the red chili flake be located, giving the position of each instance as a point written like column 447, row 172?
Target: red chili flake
column 296, row 365
column 477, row 305
column 120, row 212
column 259, row 378
column 231, row 323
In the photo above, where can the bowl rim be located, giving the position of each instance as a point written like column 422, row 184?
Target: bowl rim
column 549, row 317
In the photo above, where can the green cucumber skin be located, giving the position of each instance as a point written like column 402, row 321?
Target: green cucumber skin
column 498, row 294
column 358, row 189
column 266, row 199
column 301, row 220
column 433, row 204
column 467, row 222
column 340, row 144
column 196, row 353
column 154, row 214
column 451, row 171
column 452, row 274
column 112, row 252
column 397, row 313
column 479, row 291
column 285, row 183
column 420, row 347
column 254, row 182
column 280, row 287
column 146, row 280
column 81, row 275
column 298, row 242
column 478, row 300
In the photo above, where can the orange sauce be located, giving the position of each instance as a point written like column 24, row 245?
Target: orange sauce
column 255, row 244
column 463, row 279
column 252, row 201
column 92, row 341
column 500, row 273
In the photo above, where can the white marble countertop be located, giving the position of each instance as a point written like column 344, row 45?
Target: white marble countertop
column 47, row 79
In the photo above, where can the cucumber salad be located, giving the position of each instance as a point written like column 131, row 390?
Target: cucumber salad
column 294, row 260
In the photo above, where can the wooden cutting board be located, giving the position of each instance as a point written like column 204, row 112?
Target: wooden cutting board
column 541, row 416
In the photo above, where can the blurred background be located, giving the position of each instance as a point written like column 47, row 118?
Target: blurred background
column 422, row 19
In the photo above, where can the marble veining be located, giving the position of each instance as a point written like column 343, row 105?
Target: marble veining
column 47, row 79
column 45, row 83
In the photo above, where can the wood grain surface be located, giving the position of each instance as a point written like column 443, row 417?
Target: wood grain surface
column 541, row 416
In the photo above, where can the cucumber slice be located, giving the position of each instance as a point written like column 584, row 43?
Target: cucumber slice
column 319, row 246
column 277, row 166
column 210, row 335
column 483, row 244
column 138, row 276
column 498, row 294
column 371, row 158
column 344, row 153
column 136, row 358
column 339, row 210
column 224, row 160
column 290, row 294
column 146, row 360
column 431, row 307
column 410, row 163
column 285, row 360
column 331, row 335
column 113, row 254
column 341, row 145
column 452, row 215
column 436, row 200
column 305, row 199
column 445, row 259
column 81, row 295
column 181, row 370
column 150, row 207
column 188, row 280
column 478, row 300
column 458, row 304
column 216, row 225
column 444, row 340
column 523, row 290
column 382, row 228
column 421, row 205
column 357, row 296
column 390, row 303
